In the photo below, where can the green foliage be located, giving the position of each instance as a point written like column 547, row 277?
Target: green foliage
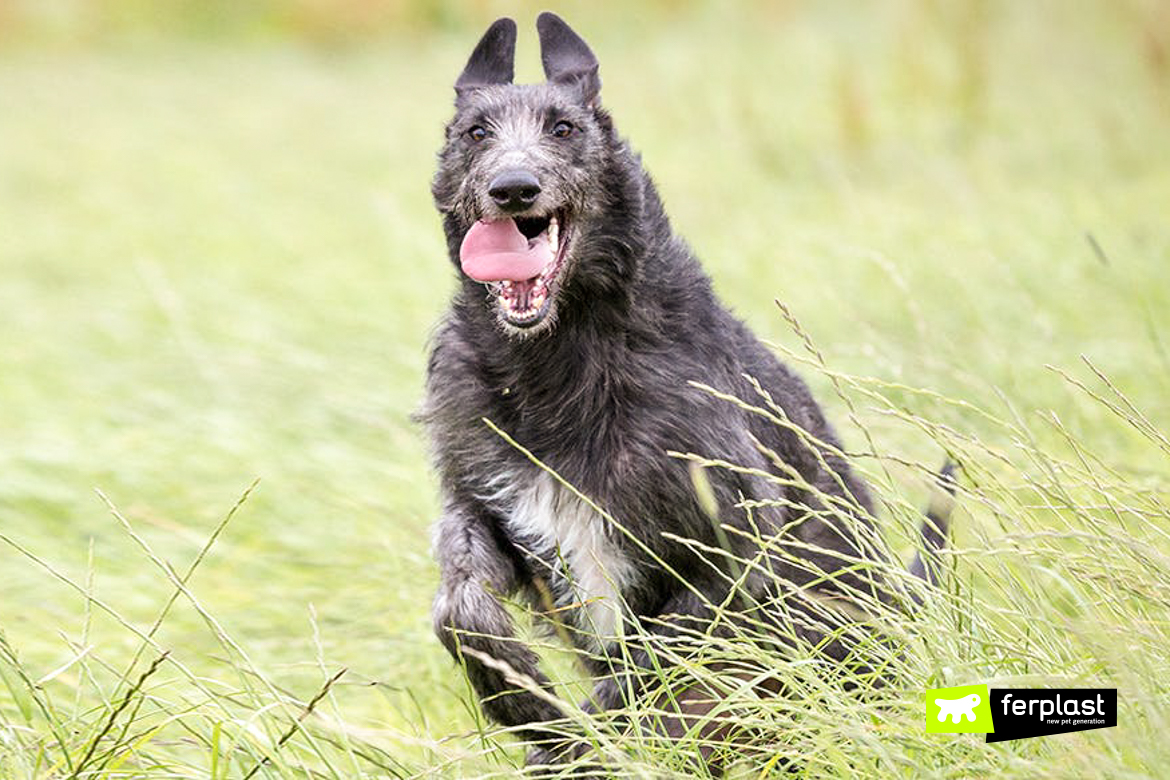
column 221, row 264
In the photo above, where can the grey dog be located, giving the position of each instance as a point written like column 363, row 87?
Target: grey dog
column 581, row 328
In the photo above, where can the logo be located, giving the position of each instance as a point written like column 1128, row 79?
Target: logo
column 964, row 709
column 1019, row 713
column 957, row 709
column 1032, row 712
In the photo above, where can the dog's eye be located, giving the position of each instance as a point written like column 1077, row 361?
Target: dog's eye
column 477, row 133
column 562, row 129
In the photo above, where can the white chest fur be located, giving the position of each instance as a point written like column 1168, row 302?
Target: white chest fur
column 554, row 520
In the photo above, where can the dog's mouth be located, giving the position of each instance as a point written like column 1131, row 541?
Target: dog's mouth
column 520, row 260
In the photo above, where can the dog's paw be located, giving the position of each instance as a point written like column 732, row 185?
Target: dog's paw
column 563, row 760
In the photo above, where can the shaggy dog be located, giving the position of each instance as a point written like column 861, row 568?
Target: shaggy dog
column 585, row 329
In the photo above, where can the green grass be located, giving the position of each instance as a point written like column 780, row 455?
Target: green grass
column 220, row 264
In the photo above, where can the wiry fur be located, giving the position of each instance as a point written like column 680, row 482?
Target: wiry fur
column 601, row 391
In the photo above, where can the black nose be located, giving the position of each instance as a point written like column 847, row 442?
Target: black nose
column 514, row 190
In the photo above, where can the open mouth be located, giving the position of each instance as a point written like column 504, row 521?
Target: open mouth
column 520, row 260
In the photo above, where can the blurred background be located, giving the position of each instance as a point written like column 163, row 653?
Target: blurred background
column 219, row 262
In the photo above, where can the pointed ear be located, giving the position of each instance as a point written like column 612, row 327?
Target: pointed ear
column 491, row 62
column 567, row 59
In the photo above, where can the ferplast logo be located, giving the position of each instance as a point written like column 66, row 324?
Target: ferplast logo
column 1018, row 713
column 1038, row 712
column 964, row 709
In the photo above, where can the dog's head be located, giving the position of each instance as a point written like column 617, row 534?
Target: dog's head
column 519, row 175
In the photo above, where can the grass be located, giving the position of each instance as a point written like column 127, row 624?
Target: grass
column 220, row 265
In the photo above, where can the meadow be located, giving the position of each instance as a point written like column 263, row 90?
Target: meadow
column 220, row 266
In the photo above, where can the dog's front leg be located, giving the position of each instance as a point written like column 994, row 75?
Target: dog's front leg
column 688, row 609
column 468, row 616
column 629, row 678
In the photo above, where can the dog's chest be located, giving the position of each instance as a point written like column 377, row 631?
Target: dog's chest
column 569, row 539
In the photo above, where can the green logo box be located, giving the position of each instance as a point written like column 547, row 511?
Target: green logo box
column 963, row 709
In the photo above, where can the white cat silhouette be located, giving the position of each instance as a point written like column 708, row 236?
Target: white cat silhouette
column 958, row 708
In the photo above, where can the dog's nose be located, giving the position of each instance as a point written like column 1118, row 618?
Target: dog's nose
column 514, row 190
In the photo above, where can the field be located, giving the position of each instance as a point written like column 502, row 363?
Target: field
column 219, row 267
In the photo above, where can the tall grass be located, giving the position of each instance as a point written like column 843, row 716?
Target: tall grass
column 1057, row 576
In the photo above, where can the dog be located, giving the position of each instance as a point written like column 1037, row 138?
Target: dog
column 575, row 363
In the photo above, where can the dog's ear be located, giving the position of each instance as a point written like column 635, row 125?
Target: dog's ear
column 491, row 62
column 567, row 59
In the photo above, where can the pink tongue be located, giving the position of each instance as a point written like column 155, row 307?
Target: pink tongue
column 498, row 251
